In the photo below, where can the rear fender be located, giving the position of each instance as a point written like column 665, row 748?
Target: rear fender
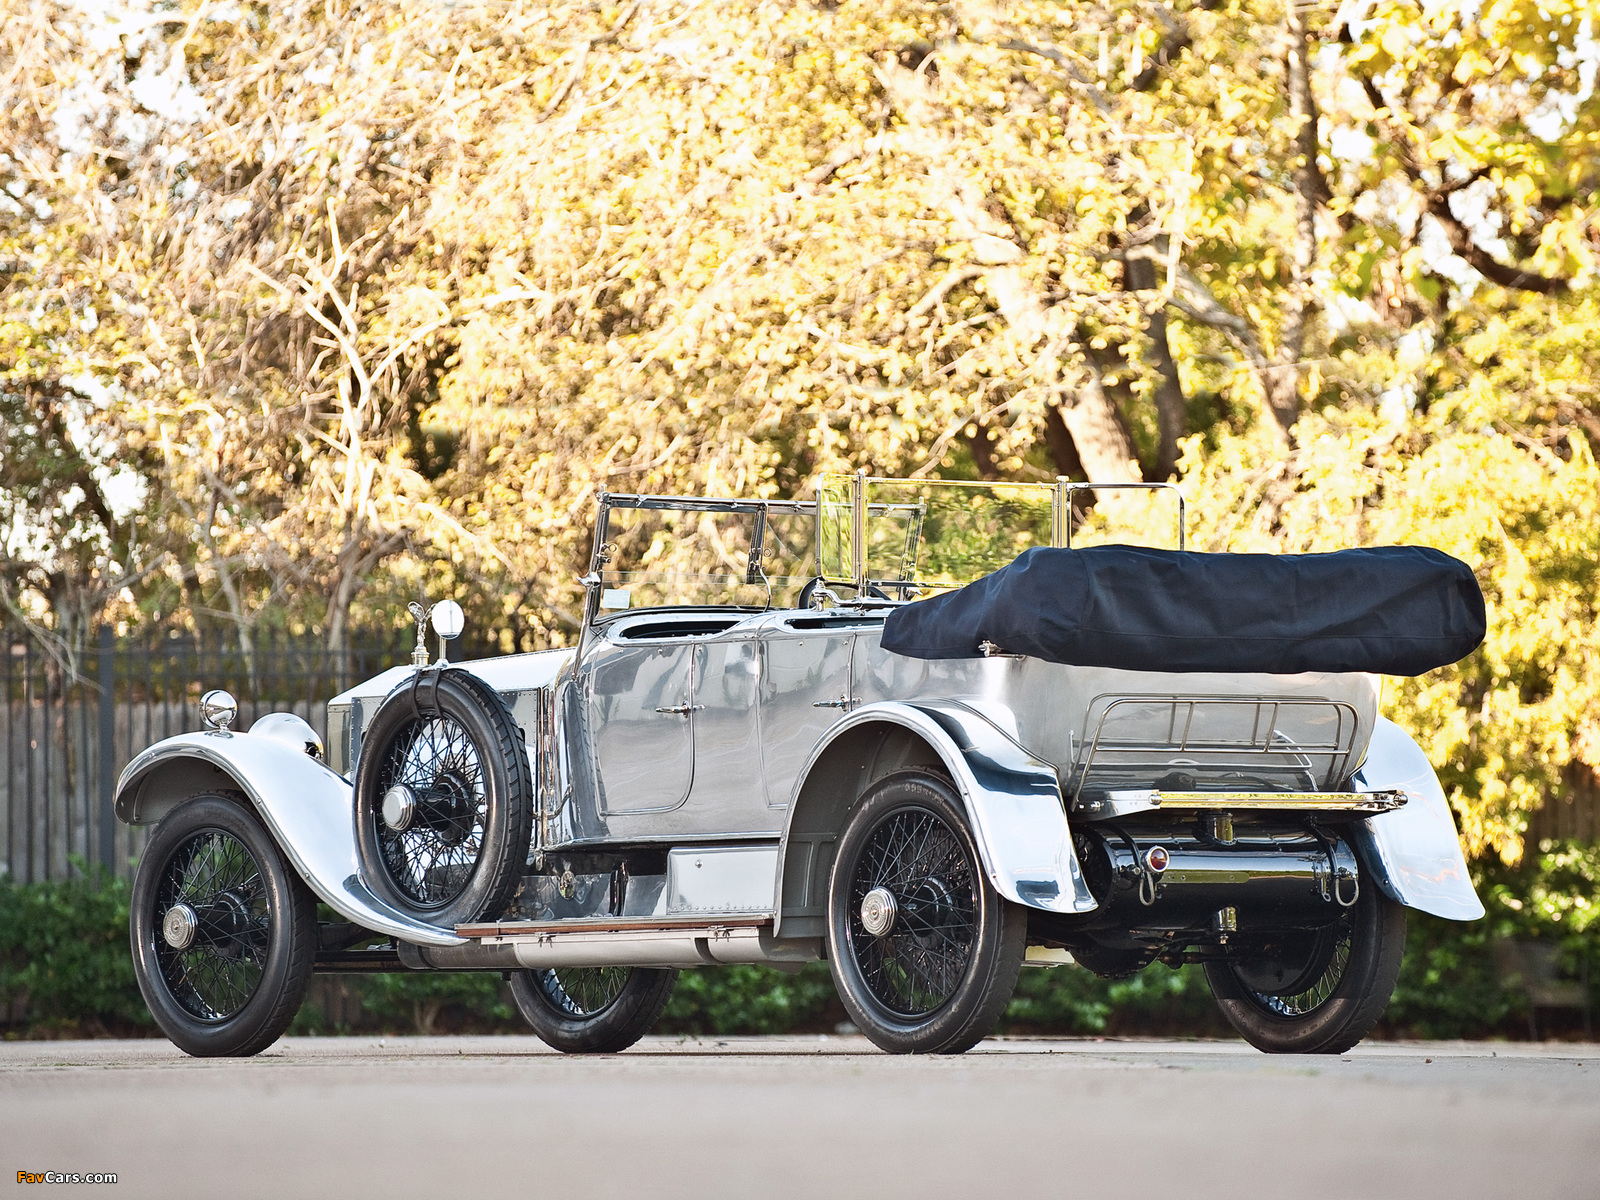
column 1012, row 800
column 1413, row 851
column 308, row 808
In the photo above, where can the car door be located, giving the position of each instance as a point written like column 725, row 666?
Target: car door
column 805, row 688
column 641, row 724
column 727, row 796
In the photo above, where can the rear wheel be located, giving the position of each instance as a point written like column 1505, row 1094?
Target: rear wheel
column 592, row 1010
column 925, row 953
column 1317, row 992
column 444, row 799
column 224, row 933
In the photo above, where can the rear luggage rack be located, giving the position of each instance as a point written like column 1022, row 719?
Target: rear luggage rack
column 1300, row 743
column 1145, row 800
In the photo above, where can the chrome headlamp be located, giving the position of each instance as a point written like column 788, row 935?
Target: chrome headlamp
column 218, row 710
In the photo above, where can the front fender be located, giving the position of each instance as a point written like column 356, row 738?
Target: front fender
column 307, row 807
column 1012, row 799
column 1413, row 850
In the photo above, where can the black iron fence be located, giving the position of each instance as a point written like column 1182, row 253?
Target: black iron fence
column 67, row 728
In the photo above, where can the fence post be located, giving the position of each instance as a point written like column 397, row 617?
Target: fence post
column 108, row 751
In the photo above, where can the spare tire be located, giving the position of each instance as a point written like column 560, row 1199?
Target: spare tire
column 444, row 799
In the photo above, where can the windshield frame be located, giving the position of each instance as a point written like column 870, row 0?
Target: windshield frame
column 599, row 554
column 1062, row 494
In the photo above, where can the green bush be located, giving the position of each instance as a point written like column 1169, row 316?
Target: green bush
column 66, row 970
column 751, row 999
column 406, row 1003
column 65, row 964
column 1157, row 1002
column 1449, row 986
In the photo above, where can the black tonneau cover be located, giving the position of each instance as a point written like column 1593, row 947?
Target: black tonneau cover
column 1393, row 610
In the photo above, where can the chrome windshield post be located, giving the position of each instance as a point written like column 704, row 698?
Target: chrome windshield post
column 858, row 530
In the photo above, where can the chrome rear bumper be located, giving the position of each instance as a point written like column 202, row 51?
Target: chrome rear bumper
column 1150, row 800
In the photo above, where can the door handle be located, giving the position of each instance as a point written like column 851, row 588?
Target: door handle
column 682, row 710
column 843, row 702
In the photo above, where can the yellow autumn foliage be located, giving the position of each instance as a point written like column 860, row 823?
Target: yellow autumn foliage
column 307, row 307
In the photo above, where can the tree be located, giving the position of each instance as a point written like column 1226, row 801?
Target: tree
column 377, row 302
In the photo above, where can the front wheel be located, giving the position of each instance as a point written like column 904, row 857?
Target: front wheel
column 592, row 1010
column 924, row 952
column 1319, row 992
column 224, row 932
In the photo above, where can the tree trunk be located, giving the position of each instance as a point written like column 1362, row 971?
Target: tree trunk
column 1100, row 434
column 1282, row 378
column 1099, row 431
column 1172, row 411
column 1058, row 440
column 982, row 448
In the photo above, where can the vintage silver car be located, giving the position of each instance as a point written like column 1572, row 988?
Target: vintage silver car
column 727, row 767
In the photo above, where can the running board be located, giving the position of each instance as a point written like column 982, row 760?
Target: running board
column 691, row 941
column 521, row 930
column 1328, row 804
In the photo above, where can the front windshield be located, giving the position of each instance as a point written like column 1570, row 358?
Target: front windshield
column 658, row 552
column 930, row 534
column 916, row 536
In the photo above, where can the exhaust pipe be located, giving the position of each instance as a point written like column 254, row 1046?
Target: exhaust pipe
column 681, row 946
column 1168, row 879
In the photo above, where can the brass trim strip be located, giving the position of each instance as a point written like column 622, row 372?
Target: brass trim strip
column 1367, row 802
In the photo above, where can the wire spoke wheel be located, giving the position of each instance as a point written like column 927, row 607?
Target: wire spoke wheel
column 1308, row 1000
column 431, row 861
column 444, row 799
column 924, row 951
column 215, row 876
column 224, row 932
column 916, row 858
column 1320, row 992
column 582, row 991
column 592, row 1010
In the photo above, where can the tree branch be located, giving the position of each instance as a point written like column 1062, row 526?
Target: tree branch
column 1177, row 39
column 582, row 60
column 1437, row 202
column 1484, row 263
column 1096, row 95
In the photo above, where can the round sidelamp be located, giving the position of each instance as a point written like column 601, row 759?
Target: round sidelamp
column 1156, row 859
column 447, row 619
column 179, row 925
column 878, row 911
column 399, row 807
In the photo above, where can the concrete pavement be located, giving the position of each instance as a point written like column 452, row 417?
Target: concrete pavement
column 803, row 1117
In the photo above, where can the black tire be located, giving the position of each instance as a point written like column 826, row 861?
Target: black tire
column 448, row 737
column 592, row 1010
column 234, row 986
column 938, row 978
column 1319, row 993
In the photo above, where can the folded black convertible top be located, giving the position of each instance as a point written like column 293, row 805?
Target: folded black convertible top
column 1392, row 610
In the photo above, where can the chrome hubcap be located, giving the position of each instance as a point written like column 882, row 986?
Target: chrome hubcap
column 399, row 807
column 179, row 925
column 878, row 911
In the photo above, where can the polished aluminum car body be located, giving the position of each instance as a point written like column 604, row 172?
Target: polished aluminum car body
column 694, row 760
